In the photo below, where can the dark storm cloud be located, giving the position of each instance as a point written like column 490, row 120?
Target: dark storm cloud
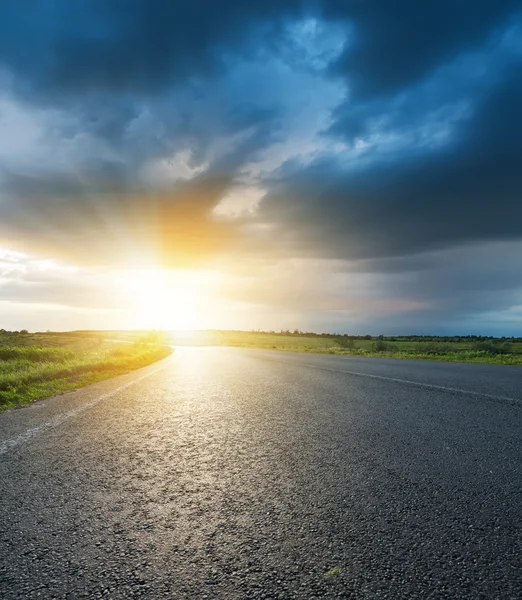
column 131, row 45
column 397, row 43
column 467, row 190
column 464, row 291
column 139, row 45
column 151, row 111
column 107, row 53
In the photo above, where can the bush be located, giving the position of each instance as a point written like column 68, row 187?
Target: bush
column 382, row 346
column 492, row 348
column 434, row 349
column 345, row 342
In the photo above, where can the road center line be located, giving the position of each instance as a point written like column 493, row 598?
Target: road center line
column 25, row 436
column 443, row 388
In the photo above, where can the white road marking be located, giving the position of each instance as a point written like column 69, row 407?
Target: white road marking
column 55, row 421
column 433, row 386
column 25, row 436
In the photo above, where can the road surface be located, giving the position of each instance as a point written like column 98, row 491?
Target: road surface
column 245, row 474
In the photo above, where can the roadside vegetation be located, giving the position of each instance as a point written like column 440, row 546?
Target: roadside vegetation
column 37, row 365
column 33, row 366
column 477, row 349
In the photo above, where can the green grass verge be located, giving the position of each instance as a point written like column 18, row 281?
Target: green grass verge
column 470, row 356
column 28, row 373
column 490, row 352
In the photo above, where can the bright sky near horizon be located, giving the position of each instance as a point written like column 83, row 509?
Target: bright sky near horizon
column 328, row 166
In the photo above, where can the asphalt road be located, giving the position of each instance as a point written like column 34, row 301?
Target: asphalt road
column 242, row 474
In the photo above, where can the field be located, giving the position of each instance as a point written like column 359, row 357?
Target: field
column 34, row 366
column 472, row 349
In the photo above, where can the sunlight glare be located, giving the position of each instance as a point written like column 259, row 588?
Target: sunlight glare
column 170, row 300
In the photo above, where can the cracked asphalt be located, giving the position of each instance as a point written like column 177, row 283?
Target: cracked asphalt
column 244, row 474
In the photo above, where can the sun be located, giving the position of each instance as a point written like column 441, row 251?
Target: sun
column 169, row 300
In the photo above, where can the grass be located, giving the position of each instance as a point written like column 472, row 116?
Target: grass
column 34, row 366
column 332, row 572
column 491, row 351
column 451, row 355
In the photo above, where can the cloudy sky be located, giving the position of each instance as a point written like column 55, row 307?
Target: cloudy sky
column 335, row 165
